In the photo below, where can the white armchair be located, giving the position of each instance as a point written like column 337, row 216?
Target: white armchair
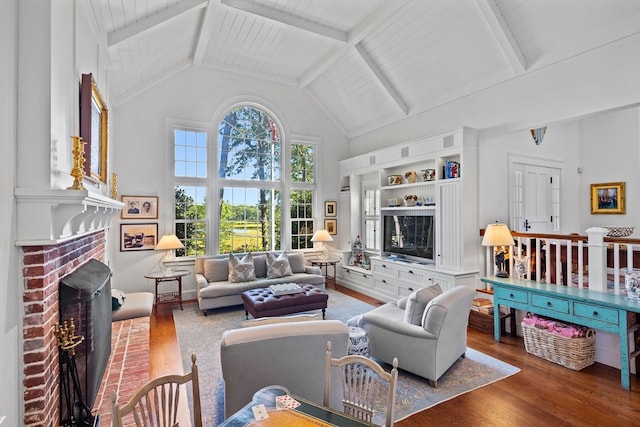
column 428, row 348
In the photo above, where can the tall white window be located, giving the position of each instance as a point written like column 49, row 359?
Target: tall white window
column 371, row 199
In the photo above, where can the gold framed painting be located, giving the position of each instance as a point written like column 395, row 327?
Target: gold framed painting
column 94, row 122
column 608, row 198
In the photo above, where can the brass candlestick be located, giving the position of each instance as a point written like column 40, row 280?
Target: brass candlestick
column 114, row 186
column 67, row 339
column 78, row 163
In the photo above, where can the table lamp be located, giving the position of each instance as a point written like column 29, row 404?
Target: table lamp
column 168, row 242
column 498, row 235
column 322, row 236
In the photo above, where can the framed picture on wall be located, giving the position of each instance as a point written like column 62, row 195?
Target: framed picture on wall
column 138, row 237
column 330, row 209
column 331, row 225
column 139, row 207
column 608, row 198
column 94, row 123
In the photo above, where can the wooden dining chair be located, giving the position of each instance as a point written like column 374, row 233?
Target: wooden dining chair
column 158, row 402
column 362, row 381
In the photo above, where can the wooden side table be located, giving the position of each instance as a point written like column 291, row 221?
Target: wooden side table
column 324, row 264
column 170, row 296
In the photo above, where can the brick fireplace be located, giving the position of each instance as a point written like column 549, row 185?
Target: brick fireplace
column 43, row 267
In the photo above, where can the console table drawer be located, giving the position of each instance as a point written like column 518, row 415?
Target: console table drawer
column 550, row 303
column 594, row 312
column 511, row 295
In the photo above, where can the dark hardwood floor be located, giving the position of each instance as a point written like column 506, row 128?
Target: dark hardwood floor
column 541, row 394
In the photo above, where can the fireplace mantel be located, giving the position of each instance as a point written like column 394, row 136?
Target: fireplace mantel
column 53, row 216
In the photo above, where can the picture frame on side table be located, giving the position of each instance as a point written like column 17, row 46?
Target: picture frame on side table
column 94, row 125
column 138, row 237
column 139, row 207
column 331, row 225
column 331, row 209
column 608, row 198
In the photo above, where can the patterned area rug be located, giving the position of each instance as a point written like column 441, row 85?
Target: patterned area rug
column 201, row 335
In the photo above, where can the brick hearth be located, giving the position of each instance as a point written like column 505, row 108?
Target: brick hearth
column 128, row 366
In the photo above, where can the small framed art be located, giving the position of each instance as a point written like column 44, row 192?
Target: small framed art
column 608, row 198
column 331, row 209
column 139, row 207
column 138, row 237
column 331, row 225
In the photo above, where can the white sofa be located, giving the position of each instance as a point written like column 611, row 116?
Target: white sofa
column 287, row 354
column 214, row 289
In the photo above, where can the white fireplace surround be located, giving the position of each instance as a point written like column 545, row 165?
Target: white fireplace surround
column 53, row 216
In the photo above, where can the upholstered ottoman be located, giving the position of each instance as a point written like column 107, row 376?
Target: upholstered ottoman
column 262, row 302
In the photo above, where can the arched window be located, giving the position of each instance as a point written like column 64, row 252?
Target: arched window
column 263, row 187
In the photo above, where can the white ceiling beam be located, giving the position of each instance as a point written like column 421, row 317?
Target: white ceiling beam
column 381, row 78
column 204, row 35
column 370, row 23
column 500, row 30
column 164, row 17
column 284, row 18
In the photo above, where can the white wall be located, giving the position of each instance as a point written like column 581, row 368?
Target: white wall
column 142, row 147
column 10, row 286
column 610, row 152
column 561, row 144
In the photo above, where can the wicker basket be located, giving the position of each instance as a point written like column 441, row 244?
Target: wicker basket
column 572, row 353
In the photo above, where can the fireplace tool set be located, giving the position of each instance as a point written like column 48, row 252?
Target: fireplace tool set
column 79, row 414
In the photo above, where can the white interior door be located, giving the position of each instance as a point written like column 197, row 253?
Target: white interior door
column 535, row 198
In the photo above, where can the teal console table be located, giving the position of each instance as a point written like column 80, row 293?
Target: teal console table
column 597, row 310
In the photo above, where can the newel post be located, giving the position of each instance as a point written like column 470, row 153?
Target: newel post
column 597, row 259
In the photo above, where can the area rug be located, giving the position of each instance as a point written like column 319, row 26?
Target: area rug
column 201, row 335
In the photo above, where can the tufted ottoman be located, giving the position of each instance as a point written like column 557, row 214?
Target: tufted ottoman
column 262, row 302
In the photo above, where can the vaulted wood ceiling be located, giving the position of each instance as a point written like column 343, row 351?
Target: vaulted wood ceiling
column 368, row 63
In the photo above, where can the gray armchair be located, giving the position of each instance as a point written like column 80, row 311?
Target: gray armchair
column 428, row 348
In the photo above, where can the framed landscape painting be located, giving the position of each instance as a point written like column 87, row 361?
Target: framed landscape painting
column 608, row 198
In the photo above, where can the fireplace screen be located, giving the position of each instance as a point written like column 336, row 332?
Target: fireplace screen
column 85, row 297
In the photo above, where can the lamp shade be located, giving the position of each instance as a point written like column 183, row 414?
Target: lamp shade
column 497, row 235
column 322, row 236
column 169, row 241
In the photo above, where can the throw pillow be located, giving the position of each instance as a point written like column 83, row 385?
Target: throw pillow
column 117, row 299
column 216, row 270
column 278, row 267
column 417, row 302
column 241, row 270
column 297, row 263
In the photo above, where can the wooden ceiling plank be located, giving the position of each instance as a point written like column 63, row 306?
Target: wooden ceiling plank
column 500, row 30
column 204, row 35
column 162, row 18
column 383, row 80
column 367, row 26
column 278, row 16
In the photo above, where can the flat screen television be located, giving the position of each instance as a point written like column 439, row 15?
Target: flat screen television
column 409, row 233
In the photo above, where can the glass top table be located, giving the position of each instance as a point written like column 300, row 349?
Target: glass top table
column 267, row 397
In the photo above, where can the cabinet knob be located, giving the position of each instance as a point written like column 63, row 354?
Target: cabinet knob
column 549, row 304
column 411, row 289
column 384, row 281
column 510, row 295
column 430, row 279
column 410, row 271
column 596, row 314
column 384, row 266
